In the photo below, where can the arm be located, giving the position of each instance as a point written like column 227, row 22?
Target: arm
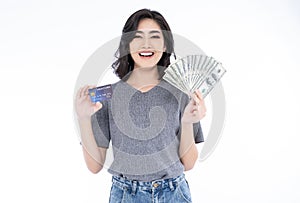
column 94, row 156
column 187, row 149
column 193, row 113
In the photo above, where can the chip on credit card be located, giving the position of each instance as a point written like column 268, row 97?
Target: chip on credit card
column 100, row 93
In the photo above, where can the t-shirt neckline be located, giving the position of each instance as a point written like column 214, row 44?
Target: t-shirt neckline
column 139, row 91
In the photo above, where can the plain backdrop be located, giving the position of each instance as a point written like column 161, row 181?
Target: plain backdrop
column 44, row 44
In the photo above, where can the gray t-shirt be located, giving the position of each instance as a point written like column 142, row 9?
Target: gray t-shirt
column 144, row 130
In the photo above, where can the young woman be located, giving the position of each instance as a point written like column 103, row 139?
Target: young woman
column 152, row 126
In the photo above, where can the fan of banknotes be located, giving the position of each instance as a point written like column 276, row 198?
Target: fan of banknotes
column 194, row 72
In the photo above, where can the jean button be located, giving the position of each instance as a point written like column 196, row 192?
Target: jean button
column 155, row 185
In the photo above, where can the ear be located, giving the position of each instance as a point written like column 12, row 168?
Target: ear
column 165, row 48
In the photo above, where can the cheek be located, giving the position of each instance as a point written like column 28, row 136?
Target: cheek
column 158, row 45
column 135, row 57
column 159, row 55
column 134, row 46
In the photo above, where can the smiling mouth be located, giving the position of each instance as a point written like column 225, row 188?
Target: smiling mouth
column 146, row 54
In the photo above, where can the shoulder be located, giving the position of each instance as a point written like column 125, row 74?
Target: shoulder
column 119, row 82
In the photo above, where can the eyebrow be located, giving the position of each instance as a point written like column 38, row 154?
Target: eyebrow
column 151, row 32
column 154, row 31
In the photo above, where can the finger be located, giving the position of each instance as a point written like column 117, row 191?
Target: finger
column 81, row 95
column 85, row 91
column 97, row 106
column 92, row 86
column 78, row 93
column 195, row 98
column 82, row 91
column 89, row 88
column 193, row 108
column 203, row 107
column 199, row 114
column 202, row 112
column 199, row 94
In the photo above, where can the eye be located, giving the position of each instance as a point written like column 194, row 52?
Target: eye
column 137, row 37
column 155, row 37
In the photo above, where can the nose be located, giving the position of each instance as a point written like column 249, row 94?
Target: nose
column 146, row 43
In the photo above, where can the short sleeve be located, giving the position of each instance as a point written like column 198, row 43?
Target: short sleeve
column 198, row 134
column 100, row 126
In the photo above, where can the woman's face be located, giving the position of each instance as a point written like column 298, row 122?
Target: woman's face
column 147, row 46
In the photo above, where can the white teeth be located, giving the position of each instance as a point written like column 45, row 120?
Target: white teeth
column 146, row 54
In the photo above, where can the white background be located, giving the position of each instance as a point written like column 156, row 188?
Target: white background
column 44, row 44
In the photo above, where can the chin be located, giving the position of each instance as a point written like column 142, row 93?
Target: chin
column 146, row 66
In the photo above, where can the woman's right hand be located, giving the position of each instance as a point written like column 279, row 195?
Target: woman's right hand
column 85, row 108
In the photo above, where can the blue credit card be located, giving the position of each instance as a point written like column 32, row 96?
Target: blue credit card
column 100, row 93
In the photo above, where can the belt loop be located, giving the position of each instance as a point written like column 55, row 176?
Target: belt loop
column 133, row 189
column 171, row 185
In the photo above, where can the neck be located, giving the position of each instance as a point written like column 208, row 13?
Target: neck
column 144, row 76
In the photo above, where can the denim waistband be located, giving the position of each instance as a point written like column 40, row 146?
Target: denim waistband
column 134, row 185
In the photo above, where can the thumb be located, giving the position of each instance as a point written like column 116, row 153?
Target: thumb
column 97, row 106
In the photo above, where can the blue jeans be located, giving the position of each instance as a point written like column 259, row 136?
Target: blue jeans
column 173, row 190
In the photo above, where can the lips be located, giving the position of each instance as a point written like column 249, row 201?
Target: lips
column 146, row 53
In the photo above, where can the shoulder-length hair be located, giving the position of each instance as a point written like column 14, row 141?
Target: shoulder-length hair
column 124, row 63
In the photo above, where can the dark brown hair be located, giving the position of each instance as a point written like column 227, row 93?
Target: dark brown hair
column 124, row 63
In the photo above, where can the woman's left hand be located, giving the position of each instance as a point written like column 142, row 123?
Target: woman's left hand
column 195, row 110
